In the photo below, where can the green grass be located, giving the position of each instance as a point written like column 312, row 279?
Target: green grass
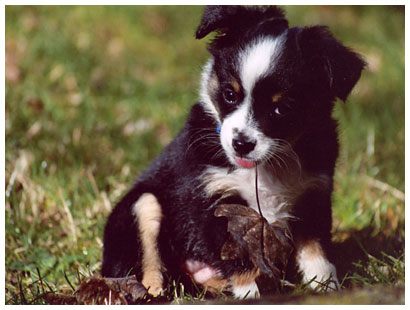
column 93, row 94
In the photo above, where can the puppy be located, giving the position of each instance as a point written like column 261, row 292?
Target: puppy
column 266, row 99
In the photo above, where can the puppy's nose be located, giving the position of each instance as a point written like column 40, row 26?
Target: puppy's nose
column 243, row 145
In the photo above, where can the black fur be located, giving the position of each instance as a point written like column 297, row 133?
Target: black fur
column 314, row 69
column 190, row 229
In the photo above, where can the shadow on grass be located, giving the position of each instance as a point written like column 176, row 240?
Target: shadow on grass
column 363, row 257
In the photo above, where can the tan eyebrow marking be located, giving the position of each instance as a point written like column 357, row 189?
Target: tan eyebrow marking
column 236, row 86
column 276, row 97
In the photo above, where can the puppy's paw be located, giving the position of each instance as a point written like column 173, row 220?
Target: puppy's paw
column 326, row 282
column 316, row 269
column 153, row 283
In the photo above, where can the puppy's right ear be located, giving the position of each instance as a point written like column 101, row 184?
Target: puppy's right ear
column 216, row 18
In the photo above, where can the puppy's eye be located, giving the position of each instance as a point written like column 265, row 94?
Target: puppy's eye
column 282, row 110
column 230, row 96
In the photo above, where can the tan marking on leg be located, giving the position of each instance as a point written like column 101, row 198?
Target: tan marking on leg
column 148, row 215
column 311, row 248
column 238, row 283
column 245, row 278
column 243, row 285
column 216, row 285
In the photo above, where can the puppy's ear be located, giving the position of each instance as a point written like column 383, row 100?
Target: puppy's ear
column 230, row 19
column 338, row 65
column 216, row 17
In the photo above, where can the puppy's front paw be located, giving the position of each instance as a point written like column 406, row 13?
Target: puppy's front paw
column 153, row 283
column 325, row 278
column 316, row 269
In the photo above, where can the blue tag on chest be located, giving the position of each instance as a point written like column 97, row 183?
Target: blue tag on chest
column 218, row 129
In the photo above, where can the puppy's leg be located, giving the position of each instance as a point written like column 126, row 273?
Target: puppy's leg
column 311, row 233
column 243, row 285
column 148, row 215
column 314, row 265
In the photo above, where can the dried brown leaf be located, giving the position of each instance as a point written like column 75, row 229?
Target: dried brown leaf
column 267, row 245
column 112, row 291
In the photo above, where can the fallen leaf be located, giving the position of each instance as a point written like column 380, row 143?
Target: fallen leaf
column 110, row 291
column 267, row 245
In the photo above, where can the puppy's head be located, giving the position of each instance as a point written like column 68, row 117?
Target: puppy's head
column 266, row 83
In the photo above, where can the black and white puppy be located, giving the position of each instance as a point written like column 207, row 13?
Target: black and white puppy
column 266, row 99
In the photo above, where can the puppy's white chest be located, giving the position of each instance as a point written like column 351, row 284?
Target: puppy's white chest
column 271, row 192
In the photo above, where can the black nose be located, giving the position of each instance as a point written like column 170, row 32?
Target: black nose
column 243, row 145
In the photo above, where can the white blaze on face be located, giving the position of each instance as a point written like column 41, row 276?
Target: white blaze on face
column 256, row 61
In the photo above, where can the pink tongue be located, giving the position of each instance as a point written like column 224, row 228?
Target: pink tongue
column 244, row 163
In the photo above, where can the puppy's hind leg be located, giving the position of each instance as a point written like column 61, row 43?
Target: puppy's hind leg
column 148, row 215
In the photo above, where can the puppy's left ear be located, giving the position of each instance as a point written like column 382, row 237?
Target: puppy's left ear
column 234, row 19
column 337, row 64
column 216, row 17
